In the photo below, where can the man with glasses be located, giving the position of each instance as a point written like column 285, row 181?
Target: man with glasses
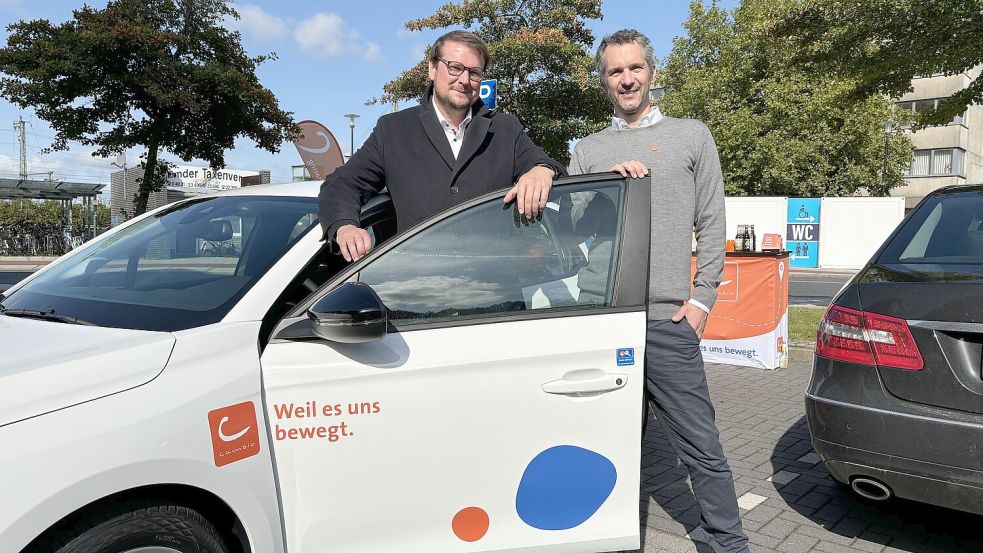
column 447, row 150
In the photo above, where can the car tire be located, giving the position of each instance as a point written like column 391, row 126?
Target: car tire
column 150, row 526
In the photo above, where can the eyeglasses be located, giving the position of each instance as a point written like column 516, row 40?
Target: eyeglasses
column 455, row 69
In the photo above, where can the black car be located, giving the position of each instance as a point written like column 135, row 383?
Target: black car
column 895, row 405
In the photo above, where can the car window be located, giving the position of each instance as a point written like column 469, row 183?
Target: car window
column 486, row 262
column 325, row 264
column 186, row 266
column 943, row 238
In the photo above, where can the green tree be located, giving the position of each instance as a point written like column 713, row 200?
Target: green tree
column 162, row 74
column 30, row 213
column 781, row 128
column 101, row 212
column 540, row 55
column 880, row 45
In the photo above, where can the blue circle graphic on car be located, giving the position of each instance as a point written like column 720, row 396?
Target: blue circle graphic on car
column 564, row 486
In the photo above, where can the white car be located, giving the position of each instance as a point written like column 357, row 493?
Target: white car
column 210, row 377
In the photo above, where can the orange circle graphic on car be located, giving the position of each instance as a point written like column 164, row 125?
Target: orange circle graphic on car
column 470, row 524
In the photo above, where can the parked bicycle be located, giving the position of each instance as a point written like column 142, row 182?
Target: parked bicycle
column 37, row 240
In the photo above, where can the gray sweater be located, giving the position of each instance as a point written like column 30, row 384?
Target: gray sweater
column 687, row 193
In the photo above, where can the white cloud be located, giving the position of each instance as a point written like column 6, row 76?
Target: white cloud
column 372, row 52
column 326, row 35
column 76, row 165
column 419, row 51
column 259, row 24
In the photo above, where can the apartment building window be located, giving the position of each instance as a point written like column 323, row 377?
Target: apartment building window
column 919, row 106
column 936, row 162
column 300, row 173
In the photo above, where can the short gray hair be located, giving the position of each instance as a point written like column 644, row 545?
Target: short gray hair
column 624, row 36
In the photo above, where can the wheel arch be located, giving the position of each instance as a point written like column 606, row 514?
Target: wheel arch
column 212, row 507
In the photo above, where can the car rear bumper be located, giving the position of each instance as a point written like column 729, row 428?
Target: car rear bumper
column 915, row 480
column 924, row 454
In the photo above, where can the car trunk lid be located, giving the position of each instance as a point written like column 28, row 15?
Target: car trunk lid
column 945, row 318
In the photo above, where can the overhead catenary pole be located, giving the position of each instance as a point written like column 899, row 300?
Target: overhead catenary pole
column 19, row 126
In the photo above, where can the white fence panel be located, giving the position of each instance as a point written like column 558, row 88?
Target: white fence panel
column 853, row 228
column 766, row 213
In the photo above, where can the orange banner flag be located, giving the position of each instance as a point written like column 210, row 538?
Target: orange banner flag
column 319, row 149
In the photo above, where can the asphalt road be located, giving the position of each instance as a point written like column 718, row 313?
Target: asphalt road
column 7, row 278
column 814, row 288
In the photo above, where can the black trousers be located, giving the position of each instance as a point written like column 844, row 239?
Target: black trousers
column 676, row 386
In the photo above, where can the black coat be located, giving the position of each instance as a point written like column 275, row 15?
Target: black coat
column 408, row 153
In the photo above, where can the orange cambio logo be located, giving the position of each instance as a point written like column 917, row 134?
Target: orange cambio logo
column 728, row 289
column 235, row 434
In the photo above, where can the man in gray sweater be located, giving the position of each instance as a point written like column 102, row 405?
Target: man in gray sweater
column 687, row 195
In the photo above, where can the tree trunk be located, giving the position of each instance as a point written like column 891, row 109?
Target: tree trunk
column 149, row 179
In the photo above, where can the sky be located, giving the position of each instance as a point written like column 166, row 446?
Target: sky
column 331, row 58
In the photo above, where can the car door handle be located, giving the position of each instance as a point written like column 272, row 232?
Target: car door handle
column 586, row 381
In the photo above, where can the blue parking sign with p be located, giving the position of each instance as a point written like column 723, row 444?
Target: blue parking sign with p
column 488, row 92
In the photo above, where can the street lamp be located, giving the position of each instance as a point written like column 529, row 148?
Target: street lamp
column 888, row 128
column 351, row 123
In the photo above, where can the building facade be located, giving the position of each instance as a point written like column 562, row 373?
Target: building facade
column 944, row 154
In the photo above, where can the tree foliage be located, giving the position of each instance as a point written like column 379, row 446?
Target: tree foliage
column 161, row 74
column 540, row 55
column 880, row 45
column 47, row 214
column 782, row 128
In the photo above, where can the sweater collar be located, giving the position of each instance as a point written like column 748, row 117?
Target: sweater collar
column 647, row 120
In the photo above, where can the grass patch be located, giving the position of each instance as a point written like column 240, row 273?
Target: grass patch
column 803, row 322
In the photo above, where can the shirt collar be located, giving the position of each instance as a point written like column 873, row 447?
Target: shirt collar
column 647, row 120
column 443, row 120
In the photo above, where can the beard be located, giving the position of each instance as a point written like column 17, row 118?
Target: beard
column 452, row 99
column 632, row 105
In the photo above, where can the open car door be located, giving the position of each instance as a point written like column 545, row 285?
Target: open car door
column 493, row 404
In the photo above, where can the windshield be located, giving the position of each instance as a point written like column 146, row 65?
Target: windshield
column 182, row 268
column 943, row 240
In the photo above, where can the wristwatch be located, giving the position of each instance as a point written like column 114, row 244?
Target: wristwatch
column 550, row 167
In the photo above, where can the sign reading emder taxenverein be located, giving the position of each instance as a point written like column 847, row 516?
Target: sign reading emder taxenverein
column 207, row 179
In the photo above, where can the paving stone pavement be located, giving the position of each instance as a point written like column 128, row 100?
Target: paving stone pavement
column 789, row 503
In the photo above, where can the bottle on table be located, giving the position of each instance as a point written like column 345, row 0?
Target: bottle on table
column 754, row 240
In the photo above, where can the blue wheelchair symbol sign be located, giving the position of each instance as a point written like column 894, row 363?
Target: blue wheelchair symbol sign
column 625, row 356
column 488, row 92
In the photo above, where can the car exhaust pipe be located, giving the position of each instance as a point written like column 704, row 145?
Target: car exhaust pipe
column 870, row 489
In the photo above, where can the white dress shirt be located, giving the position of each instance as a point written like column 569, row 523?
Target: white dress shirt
column 650, row 118
column 454, row 138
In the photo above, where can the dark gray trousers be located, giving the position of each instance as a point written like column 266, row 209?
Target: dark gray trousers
column 676, row 385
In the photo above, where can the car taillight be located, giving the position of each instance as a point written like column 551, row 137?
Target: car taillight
column 867, row 339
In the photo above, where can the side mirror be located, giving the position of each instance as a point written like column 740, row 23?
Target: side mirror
column 350, row 314
column 219, row 230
